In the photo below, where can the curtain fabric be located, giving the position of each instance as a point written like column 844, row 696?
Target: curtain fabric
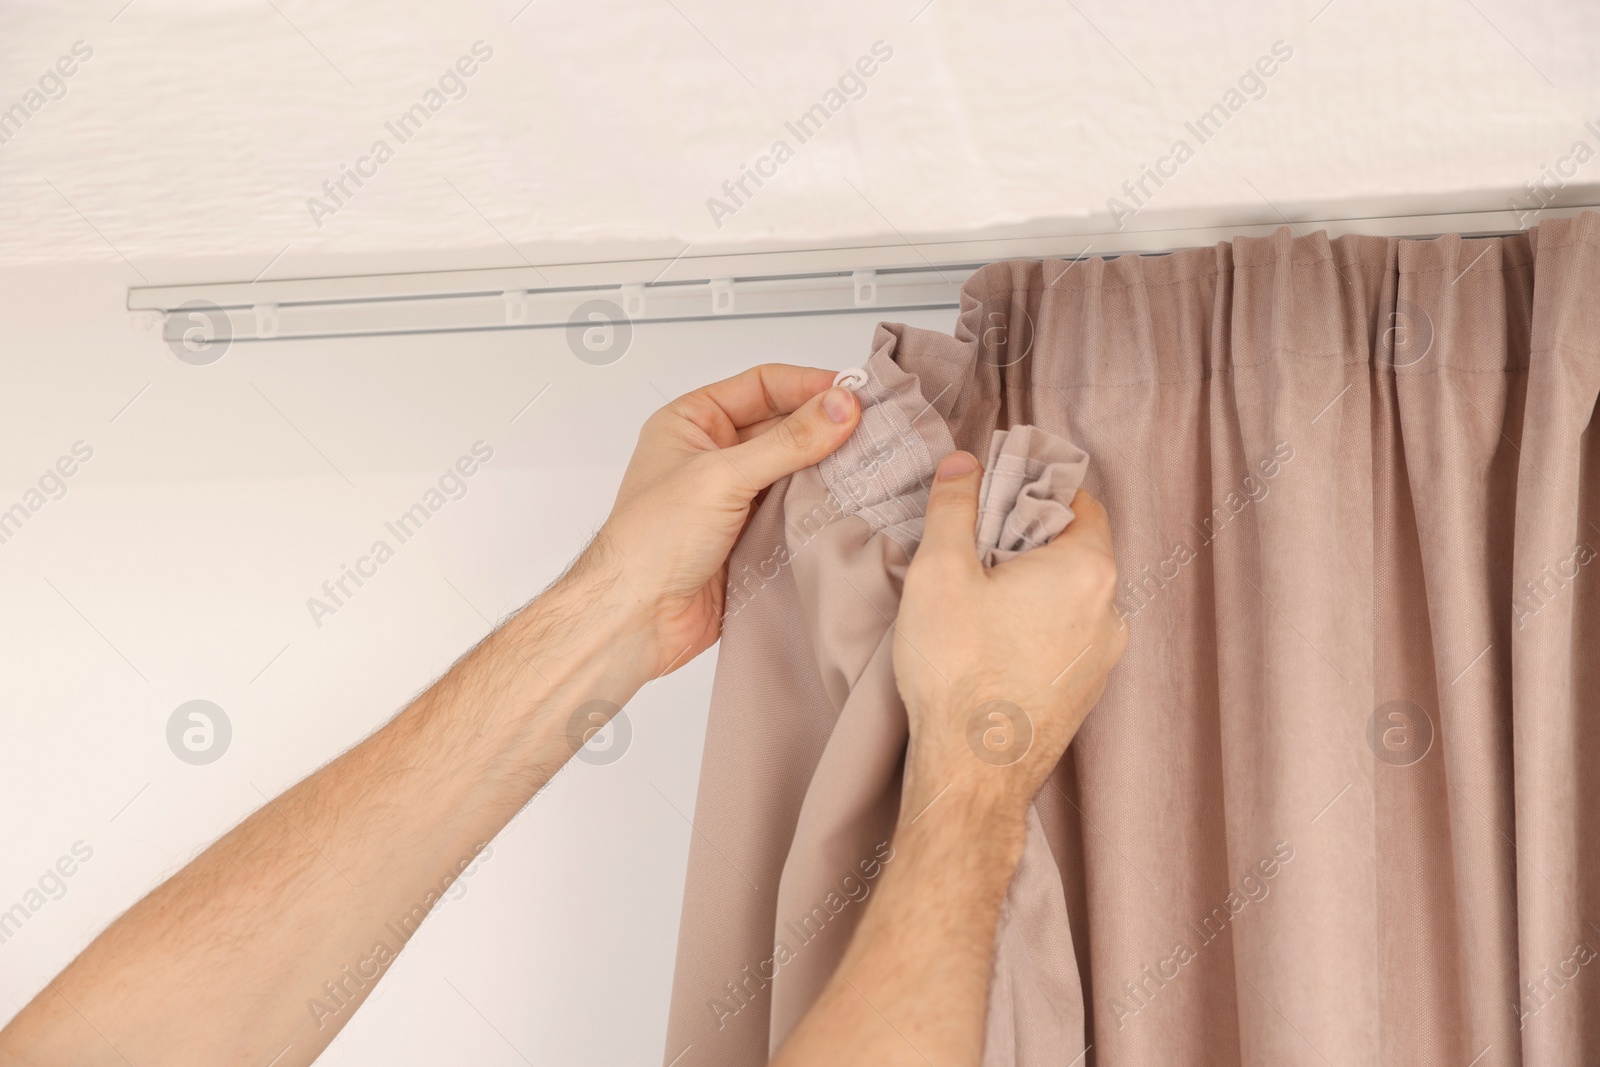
column 1335, row 804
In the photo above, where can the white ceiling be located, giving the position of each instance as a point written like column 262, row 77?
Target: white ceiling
column 199, row 128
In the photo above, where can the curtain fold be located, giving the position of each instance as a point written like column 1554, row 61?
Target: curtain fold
column 1336, row 803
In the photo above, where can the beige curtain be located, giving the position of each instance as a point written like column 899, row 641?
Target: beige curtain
column 1337, row 803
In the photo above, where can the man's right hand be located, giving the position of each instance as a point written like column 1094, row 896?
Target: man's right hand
column 998, row 666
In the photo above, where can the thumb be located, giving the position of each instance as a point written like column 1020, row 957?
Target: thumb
column 807, row 436
column 952, row 520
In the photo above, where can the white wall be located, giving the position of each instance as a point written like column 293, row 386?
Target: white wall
column 190, row 542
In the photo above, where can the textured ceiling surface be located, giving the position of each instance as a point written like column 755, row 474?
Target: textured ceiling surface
column 283, row 132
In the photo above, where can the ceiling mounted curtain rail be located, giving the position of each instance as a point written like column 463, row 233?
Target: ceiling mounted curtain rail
column 898, row 277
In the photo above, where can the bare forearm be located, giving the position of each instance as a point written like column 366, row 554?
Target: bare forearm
column 272, row 936
column 913, row 987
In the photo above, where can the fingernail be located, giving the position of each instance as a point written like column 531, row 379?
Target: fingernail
column 955, row 465
column 839, row 403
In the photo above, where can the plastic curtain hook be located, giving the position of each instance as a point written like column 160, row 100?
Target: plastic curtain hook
column 851, row 378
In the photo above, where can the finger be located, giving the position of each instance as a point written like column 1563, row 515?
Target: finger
column 807, row 436
column 1090, row 526
column 772, row 389
column 756, row 429
column 950, row 528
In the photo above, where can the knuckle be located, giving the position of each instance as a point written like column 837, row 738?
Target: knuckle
column 796, row 435
column 1089, row 506
column 937, row 569
column 705, row 473
column 951, row 499
column 1098, row 576
column 926, row 566
column 656, row 419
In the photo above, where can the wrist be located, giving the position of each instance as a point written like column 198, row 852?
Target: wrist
column 617, row 613
column 982, row 748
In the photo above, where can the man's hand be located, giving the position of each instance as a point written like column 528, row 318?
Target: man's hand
column 998, row 666
column 686, row 496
